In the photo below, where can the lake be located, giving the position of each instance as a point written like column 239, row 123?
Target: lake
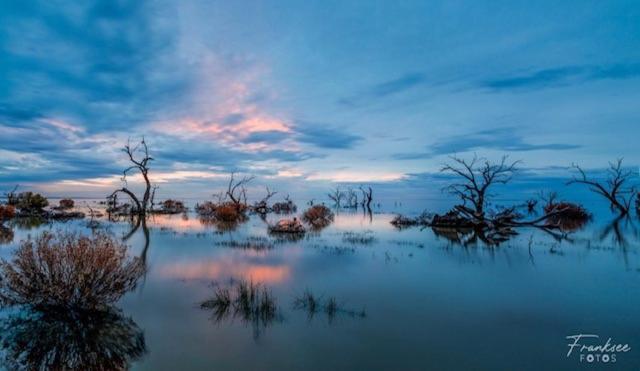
column 386, row 298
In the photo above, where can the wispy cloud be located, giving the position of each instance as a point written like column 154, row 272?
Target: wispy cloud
column 561, row 76
column 384, row 89
column 324, row 137
column 502, row 139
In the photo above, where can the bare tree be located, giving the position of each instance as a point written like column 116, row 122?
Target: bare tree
column 352, row 198
column 336, row 195
column 614, row 188
column 478, row 175
column 142, row 166
column 236, row 190
column 367, row 197
column 549, row 198
column 262, row 206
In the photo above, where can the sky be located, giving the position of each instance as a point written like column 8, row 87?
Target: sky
column 310, row 94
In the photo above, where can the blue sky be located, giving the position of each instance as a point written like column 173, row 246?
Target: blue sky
column 305, row 94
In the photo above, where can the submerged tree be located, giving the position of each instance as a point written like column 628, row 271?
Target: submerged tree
column 367, row 197
column 615, row 188
column 142, row 166
column 236, row 190
column 477, row 177
column 336, row 195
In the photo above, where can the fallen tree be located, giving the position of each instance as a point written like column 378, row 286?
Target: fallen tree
column 477, row 176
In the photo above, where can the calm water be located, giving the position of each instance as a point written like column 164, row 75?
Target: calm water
column 408, row 299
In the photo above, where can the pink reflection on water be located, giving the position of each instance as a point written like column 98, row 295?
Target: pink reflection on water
column 178, row 223
column 224, row 269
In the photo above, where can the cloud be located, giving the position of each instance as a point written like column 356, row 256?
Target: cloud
column 502, row 139
column 384, row 89
column 562, row 76
column 104, row 63
column 324, row 137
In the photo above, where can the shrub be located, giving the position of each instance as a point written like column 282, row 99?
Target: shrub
column 29, row 201
column 206, row 209
column 318, row 216
column 66, row 270
column 570, row 216
column 173, row 207
column 7, row 212
column 66, row 204
column 227, row 212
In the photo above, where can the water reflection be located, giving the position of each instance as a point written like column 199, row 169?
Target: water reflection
column 251, row 303
column 70, row 340
column 224, row 268
column 6, row 235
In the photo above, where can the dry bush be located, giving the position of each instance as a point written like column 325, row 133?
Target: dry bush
column 318, row 216
column 206, row 209
column 66, row 270
column 29, row 201
column 66, row 204
column 7, row 212
column 227, row 212
column 173, row 207
column 568, row 216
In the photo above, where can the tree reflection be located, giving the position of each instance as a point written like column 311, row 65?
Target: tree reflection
column 6, row 235
column 62, row 340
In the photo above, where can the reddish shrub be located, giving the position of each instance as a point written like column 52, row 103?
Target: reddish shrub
column 66, row 270
column 7, row 212
column 66, row 204
column 568, row 216
column 173, row 207
column 318, row 216
column 227, row 212
column 207, row 209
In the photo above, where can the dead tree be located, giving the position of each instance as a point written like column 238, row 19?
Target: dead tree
column 367, row 197
column 142, row 166
column 236, row 190
column 549, row 198
column 614, row 188
column 478, row 175
column 352, row 199
column 336, row 195
column 262, row 206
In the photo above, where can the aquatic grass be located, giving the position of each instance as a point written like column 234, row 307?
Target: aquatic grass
column 359, row 238
column 251, row 303
column 250, row 243
column 313, row 304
